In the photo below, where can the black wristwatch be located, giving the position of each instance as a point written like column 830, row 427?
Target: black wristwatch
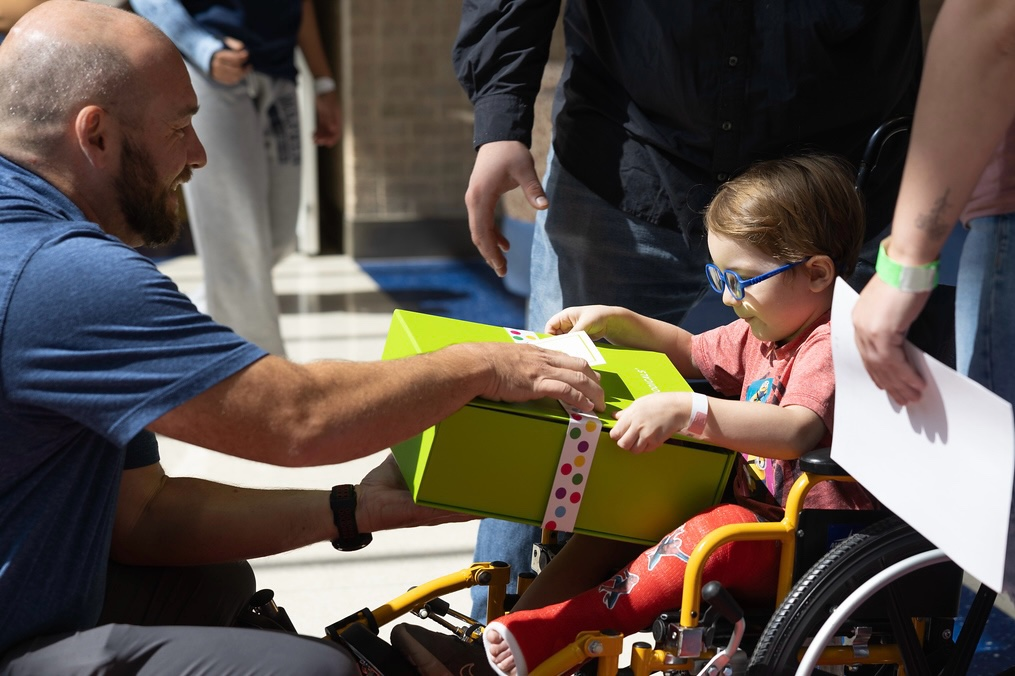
column 343, row 508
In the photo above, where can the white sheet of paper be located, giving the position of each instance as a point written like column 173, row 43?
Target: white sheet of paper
column 576, row 344
column 944, row 464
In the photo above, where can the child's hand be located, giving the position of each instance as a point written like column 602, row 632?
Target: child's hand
column 592, row 319
column 650, row 420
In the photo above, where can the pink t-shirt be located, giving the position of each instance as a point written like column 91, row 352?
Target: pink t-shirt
column 799, row 373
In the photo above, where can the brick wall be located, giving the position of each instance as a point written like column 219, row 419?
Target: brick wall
column 407, row 148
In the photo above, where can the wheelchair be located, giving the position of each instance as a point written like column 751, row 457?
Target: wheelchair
column 906, row 627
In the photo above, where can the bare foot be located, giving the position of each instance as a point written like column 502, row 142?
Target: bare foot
column 500, row 652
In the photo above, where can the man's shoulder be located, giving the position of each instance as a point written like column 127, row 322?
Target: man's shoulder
column 76, row 249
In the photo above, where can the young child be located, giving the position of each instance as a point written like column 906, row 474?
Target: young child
column 778, row 235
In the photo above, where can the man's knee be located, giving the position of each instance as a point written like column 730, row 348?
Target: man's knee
column 212, row 595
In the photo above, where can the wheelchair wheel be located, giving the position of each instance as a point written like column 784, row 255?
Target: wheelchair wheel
column 883, row 625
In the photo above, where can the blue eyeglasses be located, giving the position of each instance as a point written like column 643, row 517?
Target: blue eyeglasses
column 720, row 279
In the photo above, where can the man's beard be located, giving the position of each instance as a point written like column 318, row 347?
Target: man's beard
column 145, row 206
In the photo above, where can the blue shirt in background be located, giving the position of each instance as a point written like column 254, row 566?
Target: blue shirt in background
column 268, row 28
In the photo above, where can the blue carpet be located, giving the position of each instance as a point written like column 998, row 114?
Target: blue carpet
column 459, row 289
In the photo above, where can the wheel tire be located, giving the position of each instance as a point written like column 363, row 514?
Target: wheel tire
column 816, row 595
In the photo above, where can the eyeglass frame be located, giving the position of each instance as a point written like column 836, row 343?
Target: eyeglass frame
column 743, row 283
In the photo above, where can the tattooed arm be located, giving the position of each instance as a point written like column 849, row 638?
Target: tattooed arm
column 966, row 103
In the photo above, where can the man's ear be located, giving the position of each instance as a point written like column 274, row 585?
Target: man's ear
column 820, row 271
column 93, row 127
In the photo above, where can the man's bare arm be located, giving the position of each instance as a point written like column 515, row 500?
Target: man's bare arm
column 282, row 413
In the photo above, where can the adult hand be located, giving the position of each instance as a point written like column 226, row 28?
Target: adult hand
column 383, row 502
column 592, row 319
column 500, row 166
column 329, row 120
column 526, row 372
column 881, row 318
column 230, row 65
column 650, row 420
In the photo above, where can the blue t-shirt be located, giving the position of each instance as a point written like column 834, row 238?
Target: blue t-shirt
column 95, row 344
column 268, row 29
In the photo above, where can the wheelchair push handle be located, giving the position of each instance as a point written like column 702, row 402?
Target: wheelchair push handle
column 720, row 599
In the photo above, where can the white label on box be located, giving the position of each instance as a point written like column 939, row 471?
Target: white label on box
column 576, row 344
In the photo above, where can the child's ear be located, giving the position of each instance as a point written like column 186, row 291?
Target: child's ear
column 820, row 271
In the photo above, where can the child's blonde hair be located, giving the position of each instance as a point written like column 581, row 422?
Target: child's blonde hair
column 793, row 208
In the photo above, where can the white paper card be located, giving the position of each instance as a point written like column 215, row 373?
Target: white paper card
column 944, row 463
column 576, row 344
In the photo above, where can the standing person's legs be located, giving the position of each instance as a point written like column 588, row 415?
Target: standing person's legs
column 985, row 322
column 984, row 331
column 506, row 541
column 229, row 203
column 280, row 117
column 585, row 250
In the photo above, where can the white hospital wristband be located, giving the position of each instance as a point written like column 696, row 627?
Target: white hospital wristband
column 699, row 414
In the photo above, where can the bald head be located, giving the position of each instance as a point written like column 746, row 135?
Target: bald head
column 66, row 54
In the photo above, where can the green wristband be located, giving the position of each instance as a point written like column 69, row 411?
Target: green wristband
column 914, row 279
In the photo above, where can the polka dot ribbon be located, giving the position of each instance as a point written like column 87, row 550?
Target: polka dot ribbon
column 575, row 459
column 573, row 470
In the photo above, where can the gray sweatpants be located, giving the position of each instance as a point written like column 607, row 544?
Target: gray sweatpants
column 244, row 204
column 142, row 631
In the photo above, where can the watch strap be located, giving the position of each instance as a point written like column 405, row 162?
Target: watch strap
column 343, row 509
column 911, row 278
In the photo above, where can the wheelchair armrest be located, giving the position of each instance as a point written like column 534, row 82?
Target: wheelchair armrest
column 819, row 461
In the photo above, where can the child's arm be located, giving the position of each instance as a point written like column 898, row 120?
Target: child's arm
column 621, row 326
column 781, row 432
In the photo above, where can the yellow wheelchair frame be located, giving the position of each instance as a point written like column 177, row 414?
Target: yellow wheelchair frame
column 680, row 646
column 916, row 628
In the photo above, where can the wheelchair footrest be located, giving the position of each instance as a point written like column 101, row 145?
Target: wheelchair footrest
column 375, row 655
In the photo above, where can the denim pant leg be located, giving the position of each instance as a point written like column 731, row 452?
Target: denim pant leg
column 985, row 322
column 505, row 541
column 585, row 250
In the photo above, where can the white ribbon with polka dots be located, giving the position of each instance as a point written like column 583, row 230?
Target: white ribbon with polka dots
column 583, row 430
column 572, row 476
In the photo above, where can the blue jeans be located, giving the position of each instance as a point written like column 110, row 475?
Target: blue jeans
column 585, row 251
column 985, row 322
column 985, row 305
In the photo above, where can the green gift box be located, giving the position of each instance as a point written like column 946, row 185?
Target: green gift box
column 500, row 460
